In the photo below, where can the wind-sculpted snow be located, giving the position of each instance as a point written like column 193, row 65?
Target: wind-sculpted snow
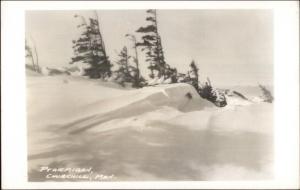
column 166, row 132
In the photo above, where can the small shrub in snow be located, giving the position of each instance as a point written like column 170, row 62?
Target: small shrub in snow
column 206, row 91
column 267, row 95
column 212, row 94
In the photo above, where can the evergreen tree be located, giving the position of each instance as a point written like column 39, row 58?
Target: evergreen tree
column 89, row 48
column 138, row 79
column 212, row 94
column 267, row 95
column 151, row 43
column 195, row 75
column 192, row 76
column 126, row 72
column 123, row 72
column 29, row 54
column 172, row 74
column 206, row 91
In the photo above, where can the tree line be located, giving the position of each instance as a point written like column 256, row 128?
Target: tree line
column 89, row 48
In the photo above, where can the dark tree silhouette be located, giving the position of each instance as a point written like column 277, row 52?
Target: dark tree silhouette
column 151, row 43
column 29, row 54
column 123, row 72
column 89, row 48
column 267, row 95
column 212, row 94
column 138, row 79
column 195, row 76
column 126, row 72
column 191, row 77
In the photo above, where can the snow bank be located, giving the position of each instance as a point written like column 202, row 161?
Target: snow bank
column 137, row 102
column 176, row 95
column 237, row 101
column 165, row 132
column 32, row 73
column 65, row 99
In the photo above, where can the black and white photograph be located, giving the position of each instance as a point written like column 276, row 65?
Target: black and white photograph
column 137, row 95
column 146, row 93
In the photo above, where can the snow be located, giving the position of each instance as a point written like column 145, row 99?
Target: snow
column 236, row 101
column 152, row 133
column 257, row 99
column 161, row 80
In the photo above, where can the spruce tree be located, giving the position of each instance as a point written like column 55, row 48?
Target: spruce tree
column 267, row 95
column 151, row 43
column 29, row 54
column 138, row 79
column 89, row 48
column 216, row 96
column 123, row 73
column 195, row 77
column 192, row 76
column 126, row 72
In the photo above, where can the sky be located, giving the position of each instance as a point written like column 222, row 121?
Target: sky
column 231, row 47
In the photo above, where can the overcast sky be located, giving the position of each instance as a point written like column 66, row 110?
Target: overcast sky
column 232, row 47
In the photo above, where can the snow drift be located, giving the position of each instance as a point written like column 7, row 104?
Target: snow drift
column 166, row 132
column 64, row 99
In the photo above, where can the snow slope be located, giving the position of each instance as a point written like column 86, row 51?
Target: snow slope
column 153, row 133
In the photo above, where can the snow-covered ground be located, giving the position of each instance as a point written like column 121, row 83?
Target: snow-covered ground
column 153, row 133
